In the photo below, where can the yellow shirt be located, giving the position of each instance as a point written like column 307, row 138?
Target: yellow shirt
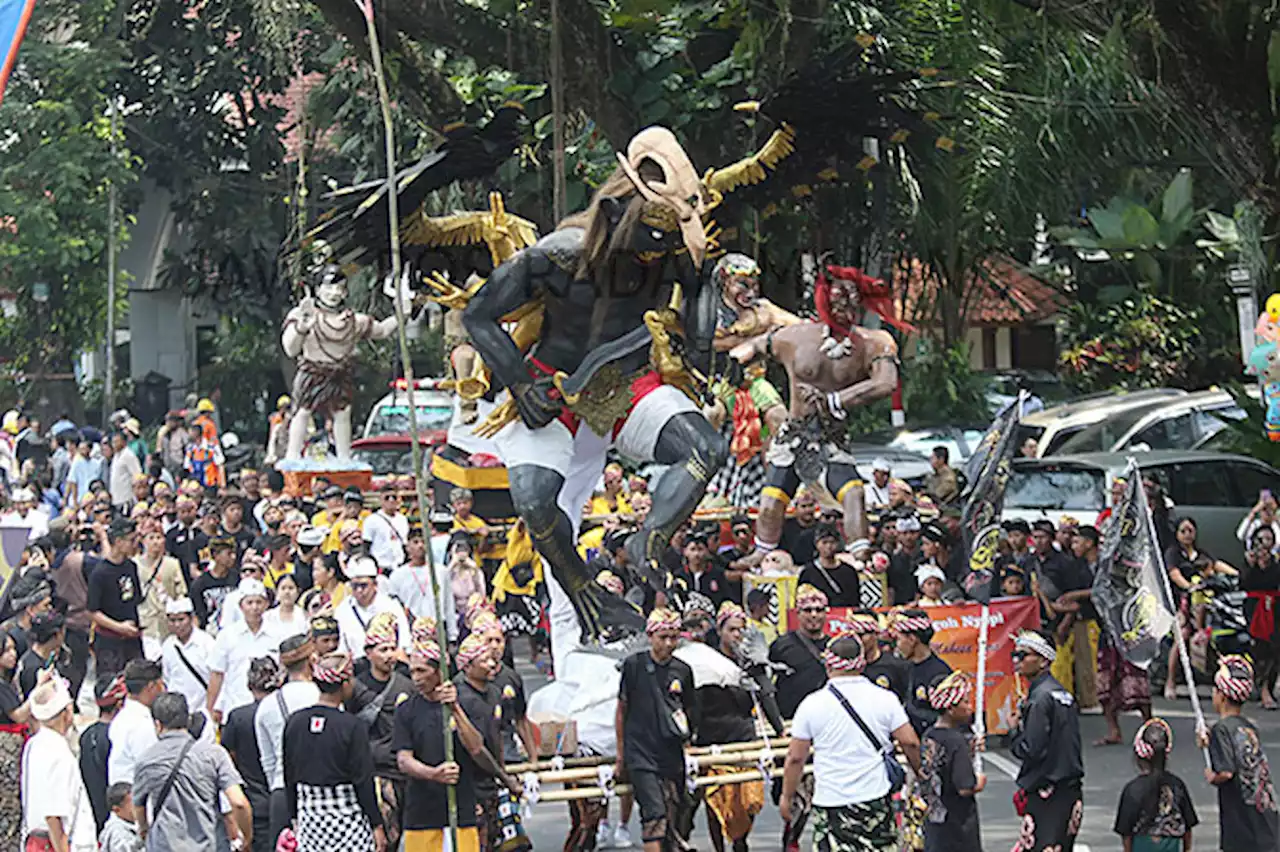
column 770, row 632
column 592, row 538
column 272, row 575
column 333, row 541
column 599, row 505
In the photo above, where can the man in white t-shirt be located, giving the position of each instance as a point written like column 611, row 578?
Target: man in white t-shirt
column 851, row 798
column 133, row 731
column 411, row 584
column 386, row 532
column 55, row 803
column 365, row 601
column 235, row 648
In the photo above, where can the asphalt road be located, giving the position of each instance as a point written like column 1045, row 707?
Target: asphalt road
column 1107, row 770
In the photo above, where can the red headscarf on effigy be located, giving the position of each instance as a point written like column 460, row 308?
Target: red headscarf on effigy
column 874, row 294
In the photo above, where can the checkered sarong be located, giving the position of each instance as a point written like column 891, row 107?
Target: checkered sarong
column 738, row 485
column 330, row 819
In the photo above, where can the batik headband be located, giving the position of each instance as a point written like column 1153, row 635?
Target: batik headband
column 912, row 623
column 729, row 611
column 382, row 630
column 860, row 623
column 660, row 620
column 472, row 648
column 423, row 629
column 611, row 581
column 808, row 595
column 951, row 691
column 1234, row 678
column 1036, row 644
column 1144, row 749
column 334, row 668
column 836, row 663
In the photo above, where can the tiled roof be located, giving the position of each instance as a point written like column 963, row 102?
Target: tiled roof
column 1006, row 295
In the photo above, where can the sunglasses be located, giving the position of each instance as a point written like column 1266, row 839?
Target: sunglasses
column 1018, row 656
column 742, row 531
column 361, row 584
column 813, row 609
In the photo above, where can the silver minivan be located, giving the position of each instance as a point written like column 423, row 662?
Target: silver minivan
column 1052, row 427
column 1178, row 424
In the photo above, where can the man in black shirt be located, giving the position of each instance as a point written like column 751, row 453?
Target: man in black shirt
column 700, row 573
column 210, row 589
column 419, row 744
column 829, row 574
column 1046, row 738
column 328, row 767
column 233, row 525
column 482, row 703
column 734, row 559
column 800, row 652
column 656, row 716
column 914, row 632
column 1247, row 813
column 240, row 739
column 384, row 688
column 515, row 708
column 185, row 541
column 797, row 530
column 48, row 630
column 32, row 596
column 886, row 671
column 113, row 600
column 95, row 747
column 902, row 565
column 937, row 546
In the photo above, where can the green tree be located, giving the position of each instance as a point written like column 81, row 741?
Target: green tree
column 60, row 157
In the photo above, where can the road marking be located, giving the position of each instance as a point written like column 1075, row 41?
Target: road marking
column 1004, row 764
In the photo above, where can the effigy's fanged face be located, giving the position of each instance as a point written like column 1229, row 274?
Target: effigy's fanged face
column 664, row 176
column 846, row 303
column 738, row 278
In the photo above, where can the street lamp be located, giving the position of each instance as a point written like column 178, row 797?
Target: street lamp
column 1240, row 280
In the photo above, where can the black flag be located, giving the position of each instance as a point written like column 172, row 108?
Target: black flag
column 1128, row 591
column 988, row 473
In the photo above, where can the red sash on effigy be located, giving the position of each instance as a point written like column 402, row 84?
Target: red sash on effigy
column 1263, row 624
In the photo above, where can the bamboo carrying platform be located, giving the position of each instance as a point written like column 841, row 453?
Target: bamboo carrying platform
column 577, row 793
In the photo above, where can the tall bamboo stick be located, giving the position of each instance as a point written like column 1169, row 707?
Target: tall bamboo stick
column 393, row 224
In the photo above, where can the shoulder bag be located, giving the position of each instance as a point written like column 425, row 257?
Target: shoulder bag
column 168, row 782
column 897, row 775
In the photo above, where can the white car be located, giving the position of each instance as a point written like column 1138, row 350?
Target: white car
column 1179, row 424
column 390, row 415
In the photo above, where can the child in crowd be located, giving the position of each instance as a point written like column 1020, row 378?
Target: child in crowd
column 930, row 579
column 1247, row 813
column 947, row 773
column 1155, row 813
column 1013, row 582
column 758, row 614
column 120, row 834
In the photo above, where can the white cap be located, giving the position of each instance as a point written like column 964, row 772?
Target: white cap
column 250, row 587
column 311, row 537
column 881, row 464
column 927, row 572
column 179, row 606
column 361, row 567
column 909, row 524
column 49, row 699
column 23, row 495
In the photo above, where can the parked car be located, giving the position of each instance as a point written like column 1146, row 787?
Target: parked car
column 1217, row 489
column 391, row 455
column 390, row 415
column 1176, row 424
column 903, row 464
column 1005, row 385
column 959, row 441
column 1052, row 427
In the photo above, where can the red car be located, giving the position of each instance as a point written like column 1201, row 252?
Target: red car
column 390, row 456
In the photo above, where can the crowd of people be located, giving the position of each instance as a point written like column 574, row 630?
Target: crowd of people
column 204, row 664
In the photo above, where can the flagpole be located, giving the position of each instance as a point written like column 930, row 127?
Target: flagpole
column 415, row 450
column 1180, row 641
column 979, row 717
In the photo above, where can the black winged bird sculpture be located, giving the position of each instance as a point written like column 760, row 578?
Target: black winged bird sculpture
column 356, row 227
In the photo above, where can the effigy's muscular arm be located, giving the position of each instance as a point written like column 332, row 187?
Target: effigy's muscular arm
column 882, row 351
column 512, row 285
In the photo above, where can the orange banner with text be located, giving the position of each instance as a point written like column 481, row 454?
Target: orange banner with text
column 955, row 639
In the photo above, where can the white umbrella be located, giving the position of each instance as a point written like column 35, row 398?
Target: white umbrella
column 710, row 667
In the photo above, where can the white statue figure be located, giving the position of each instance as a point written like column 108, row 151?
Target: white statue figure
column 322, row 334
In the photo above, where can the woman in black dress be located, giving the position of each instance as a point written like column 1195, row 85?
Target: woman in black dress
column 14, row 716
column 1186, row 562
column 1261, row 579
column 240, row 739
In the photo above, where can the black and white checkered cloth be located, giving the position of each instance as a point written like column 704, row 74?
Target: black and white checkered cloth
column 330, row 819
column 738, row 485
column 519, row 615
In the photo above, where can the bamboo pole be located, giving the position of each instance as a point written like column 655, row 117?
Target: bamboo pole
column 603, row 760
column 588, row 773
column 415, row 449
column 579, row 793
